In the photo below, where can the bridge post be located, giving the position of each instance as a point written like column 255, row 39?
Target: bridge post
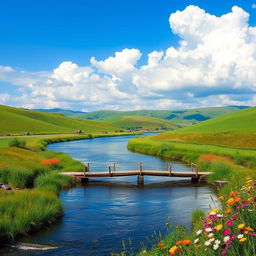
column 109, row 171
column 114, row 167
column 85, row 179
column 140, row 180
column 88, row 167
column 169, row 167
column 141, row 168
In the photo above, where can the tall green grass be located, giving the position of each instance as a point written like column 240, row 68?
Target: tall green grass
column 189, row 152
column 53, row 182
column 25, row 211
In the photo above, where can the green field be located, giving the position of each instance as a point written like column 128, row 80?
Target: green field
column 18, row 121
column 140, row 122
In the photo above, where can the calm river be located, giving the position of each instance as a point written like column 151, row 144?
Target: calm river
column 103, row 213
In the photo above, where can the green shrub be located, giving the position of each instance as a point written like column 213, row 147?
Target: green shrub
column 17, row 143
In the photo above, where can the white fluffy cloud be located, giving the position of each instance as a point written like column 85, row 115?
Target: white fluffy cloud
column 214, row 64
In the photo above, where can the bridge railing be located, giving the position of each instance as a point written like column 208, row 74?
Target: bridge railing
column 131, row 166
column 135, row 166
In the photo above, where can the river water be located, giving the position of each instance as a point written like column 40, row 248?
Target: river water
column 104, row 214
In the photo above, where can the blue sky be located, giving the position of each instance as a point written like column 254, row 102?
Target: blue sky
column 37, row 36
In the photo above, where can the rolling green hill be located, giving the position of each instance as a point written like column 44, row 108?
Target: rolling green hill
column 181, row 117
column 140, row 122
column 18, row 121
column 235, row 129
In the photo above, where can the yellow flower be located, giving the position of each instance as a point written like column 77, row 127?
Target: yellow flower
column 243, row 239
column 219, row 227
column 216, row 210
column 174, row 249
column 241, row 226
column 221, row 197
column 230, row 200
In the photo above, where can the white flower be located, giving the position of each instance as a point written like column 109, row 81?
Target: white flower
column 207, row 243
column 240, row 236
column 217, row 241
column 226, row 238
column 208, row 229
column 196, row 240
column 215, row 247
column 210, row 235
column 212, row 239
column 212, row 213
column 199, row 232
column 220, row 215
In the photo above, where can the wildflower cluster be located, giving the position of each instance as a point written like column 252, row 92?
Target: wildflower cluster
column 51, row 161
column 213, row 157
column 230, row 231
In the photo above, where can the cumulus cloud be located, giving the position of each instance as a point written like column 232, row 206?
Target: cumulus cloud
column 214, row 64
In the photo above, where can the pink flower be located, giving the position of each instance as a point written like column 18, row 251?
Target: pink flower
column 232, row 237
column 230, row 223
column 239, row 207
column 226, row 232
column 229, row 242
column 223, row 251
column 252, row 234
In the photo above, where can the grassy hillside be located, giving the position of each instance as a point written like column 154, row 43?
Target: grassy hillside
column 236, row 129
column 240, row 121
column 18, row 121
column 181, row 117
column 141, row 122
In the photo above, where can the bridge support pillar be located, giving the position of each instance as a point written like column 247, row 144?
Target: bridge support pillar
column 195, row 179
column 140, row 179
column 84, row 180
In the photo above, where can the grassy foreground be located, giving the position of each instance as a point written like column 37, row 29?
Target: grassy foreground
column 33, row 172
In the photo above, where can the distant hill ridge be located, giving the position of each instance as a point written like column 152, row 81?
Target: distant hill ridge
column 141, row 122
column 180, row 117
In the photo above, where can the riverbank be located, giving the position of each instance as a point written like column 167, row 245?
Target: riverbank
column 229, row 230
column 32, row 172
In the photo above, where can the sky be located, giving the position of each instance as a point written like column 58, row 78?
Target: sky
column 127, row 55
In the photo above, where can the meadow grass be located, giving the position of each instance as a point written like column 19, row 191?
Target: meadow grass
column 25, row 211
column 189, row 152
column 53, row 182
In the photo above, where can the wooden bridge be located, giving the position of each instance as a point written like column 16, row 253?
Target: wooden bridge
column 114, row 170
